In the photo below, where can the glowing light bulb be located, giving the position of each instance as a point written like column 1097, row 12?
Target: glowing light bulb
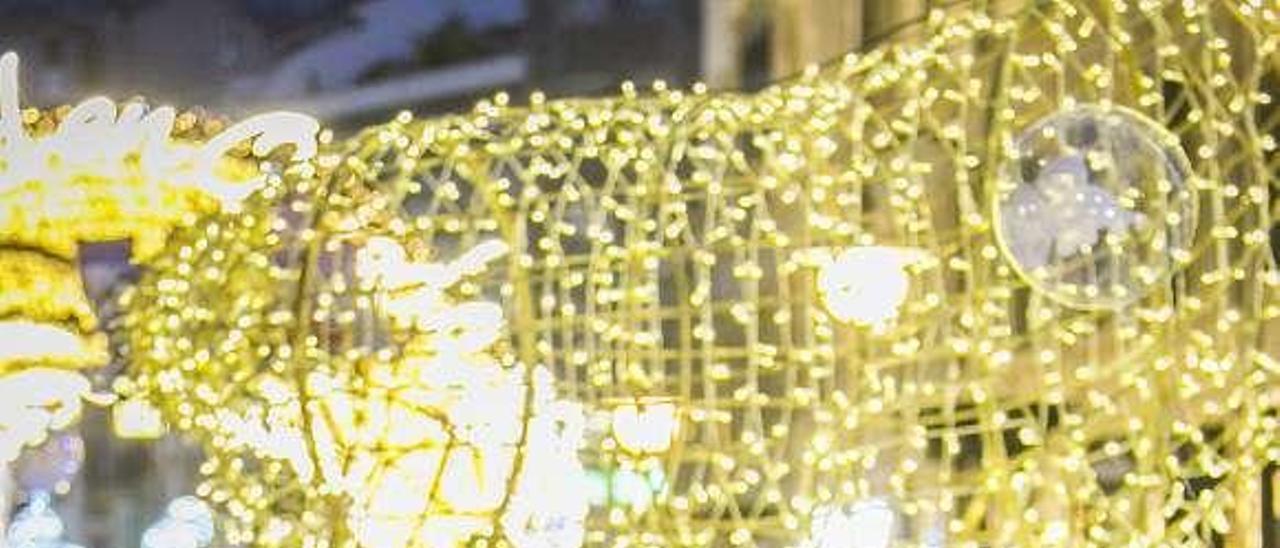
column 867, row 524
column 645, row 427
column 867, row 285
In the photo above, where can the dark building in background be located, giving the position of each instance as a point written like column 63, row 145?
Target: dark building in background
column 62, row 38
column 182, row 52
column 589, row 46
column 171, row 50
column 187, row 50
column 563, row 47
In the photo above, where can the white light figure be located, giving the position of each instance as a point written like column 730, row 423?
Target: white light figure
column 35, row 401
column 414, row 292
column 431, row 443
column 187, row 523
column 482, row 401
column 37, row 526
column 867, row 285
column 870, row 523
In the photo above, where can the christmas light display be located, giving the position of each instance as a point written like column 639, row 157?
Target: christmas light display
column 98, row 172
column 1011, row 282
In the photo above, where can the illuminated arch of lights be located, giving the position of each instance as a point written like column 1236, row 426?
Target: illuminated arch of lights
column 1009, row 284
column 98, row 172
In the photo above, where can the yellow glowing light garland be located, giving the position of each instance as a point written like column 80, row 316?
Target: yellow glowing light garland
column 670, row 245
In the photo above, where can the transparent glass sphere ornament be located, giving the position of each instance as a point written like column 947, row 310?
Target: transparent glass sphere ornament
column 1093, row 204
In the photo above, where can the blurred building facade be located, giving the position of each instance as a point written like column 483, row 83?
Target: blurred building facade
column 358, row 61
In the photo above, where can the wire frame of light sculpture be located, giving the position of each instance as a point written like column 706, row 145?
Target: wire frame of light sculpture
column 1011, row 280
column 354, row 382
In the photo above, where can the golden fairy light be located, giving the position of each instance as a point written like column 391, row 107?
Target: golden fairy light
column 1008, row 285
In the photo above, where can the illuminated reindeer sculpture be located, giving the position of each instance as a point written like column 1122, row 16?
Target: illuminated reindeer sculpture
column 1008, row 285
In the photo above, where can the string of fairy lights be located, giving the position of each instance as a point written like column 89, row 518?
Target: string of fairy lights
column 1010, row 284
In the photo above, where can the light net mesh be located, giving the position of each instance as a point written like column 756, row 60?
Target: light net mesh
column 665, row 247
